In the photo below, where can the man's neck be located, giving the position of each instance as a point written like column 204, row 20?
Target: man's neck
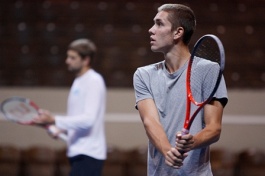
column 176, row 58
column 83, row 71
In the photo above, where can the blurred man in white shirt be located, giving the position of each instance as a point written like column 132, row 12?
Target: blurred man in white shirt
column 84, row 122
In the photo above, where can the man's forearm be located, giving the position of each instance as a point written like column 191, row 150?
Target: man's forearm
column 156, row 135
column 206, row 137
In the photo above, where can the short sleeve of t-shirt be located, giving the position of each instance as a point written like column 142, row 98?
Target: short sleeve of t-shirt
column 140, row 82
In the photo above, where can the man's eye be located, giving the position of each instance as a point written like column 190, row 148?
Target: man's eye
column 159, row 24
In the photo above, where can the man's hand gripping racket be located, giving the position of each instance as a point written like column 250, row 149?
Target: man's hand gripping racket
column 23, row 111
column 204, row 73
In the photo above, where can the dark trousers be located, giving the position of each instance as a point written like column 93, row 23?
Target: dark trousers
column 83, row 165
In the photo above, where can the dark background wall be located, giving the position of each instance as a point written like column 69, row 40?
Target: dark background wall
column 34, row 36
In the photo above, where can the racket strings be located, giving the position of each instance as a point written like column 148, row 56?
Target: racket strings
column 19, row 112
column 209, row 50
column 210, row 82
column 205, row 70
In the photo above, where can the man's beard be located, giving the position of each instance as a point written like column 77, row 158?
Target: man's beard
column 74, row 70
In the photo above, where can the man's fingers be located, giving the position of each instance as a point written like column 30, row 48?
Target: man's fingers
column 184, row 143
column 174, row 158
column 172, row 165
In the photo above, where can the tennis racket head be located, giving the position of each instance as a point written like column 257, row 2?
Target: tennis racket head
column 204, row 74
column 210, row 47
column 19, row 109
column 205, row 69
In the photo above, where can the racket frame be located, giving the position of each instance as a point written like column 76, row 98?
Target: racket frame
column 22, row 100
column 50, row 128
column 189, row 97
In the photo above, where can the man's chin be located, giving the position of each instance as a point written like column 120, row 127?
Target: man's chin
column 154, row 49
column 73, row 70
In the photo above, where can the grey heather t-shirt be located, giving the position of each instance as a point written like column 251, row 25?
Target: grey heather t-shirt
column 169, row 94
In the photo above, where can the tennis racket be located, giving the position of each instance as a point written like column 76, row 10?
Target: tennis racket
column 204, row 73
column 23, row 111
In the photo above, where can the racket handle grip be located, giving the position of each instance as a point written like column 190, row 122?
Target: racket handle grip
column 183, row 132
column 53, row 130
column 63, row 137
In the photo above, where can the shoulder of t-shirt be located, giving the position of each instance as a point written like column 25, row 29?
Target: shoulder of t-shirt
column 151, row 67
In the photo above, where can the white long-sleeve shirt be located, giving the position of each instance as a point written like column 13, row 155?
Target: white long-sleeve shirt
column 84, row 122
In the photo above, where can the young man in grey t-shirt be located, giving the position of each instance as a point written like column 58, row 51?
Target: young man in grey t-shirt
column 160, row 92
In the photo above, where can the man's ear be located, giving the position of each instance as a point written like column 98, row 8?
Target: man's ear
column 178, row 33
column 87, row 61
